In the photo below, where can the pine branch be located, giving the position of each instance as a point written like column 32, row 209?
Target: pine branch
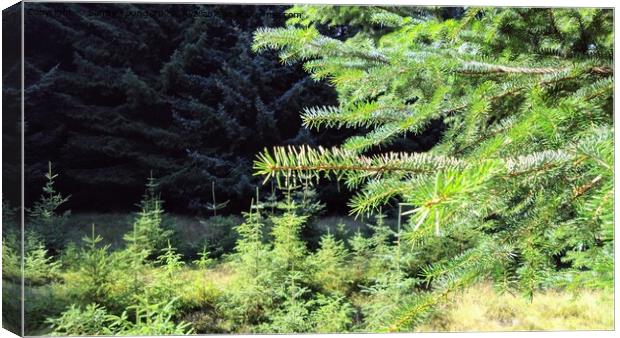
column 579, row 191
column 306, row 161
column 363, row 115
column 479, row 68
column 537, row 162
column 376, row 193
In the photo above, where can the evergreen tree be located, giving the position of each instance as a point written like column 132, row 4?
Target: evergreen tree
column 526, row 157
column 204, row 261
column 289, row 250
column 292, row 315
column 95, row 268
column 166, row 281
column 173, row 89
column 251, row 296
column 148, row 235
column 332, row 315
column 94, row 320
column 45, row 218
column 330, row 265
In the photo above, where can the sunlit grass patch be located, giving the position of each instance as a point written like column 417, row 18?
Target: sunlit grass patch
column 481, row 308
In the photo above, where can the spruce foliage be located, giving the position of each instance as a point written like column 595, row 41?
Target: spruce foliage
column 526, row 157
column 148, row 236
column 173, row 89
column 45, row 217
column 96, row 268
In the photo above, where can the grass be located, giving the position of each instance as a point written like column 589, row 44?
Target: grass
column 481, row 308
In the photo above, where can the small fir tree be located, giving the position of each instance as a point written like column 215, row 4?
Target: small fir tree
column 96, row 268
column 329, row 265
column 148, row 235
column 44, row 217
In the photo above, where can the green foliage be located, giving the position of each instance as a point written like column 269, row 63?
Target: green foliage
column 148, row 235
column 39, row 267
column 333, row 314
column 95, row 269
column 519, row 190
column 204, row 261
column 166, row 284
column 43, row 217
column 288, row 248
column 11, row 258
column 250, row 297
column 251, row 252
column 93, row 320
column 150, row 319
column 291, row 316
column 525, row 159
column 329, row 265
column 183, row 97
column 387, row 295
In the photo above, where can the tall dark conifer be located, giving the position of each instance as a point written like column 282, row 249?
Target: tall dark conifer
column 115, row 91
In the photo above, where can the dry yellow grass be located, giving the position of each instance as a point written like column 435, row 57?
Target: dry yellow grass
column 481, row 308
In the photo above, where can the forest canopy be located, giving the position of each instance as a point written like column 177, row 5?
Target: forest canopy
column 112, row 98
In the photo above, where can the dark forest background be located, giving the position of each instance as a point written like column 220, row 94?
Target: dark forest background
column 115, row 92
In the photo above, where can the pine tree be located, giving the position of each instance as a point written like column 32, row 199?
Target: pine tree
column 39, row 266
column 96, row 268
column 250, row 250
column 526, row 154
column 148, row 235
column 329, row 265
column 44, row 217
column 204, row 261
column 332, row 315
column 94, row 320
column 289, row 250
column 292, row 314
column 166, row 281
column 250, row 298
